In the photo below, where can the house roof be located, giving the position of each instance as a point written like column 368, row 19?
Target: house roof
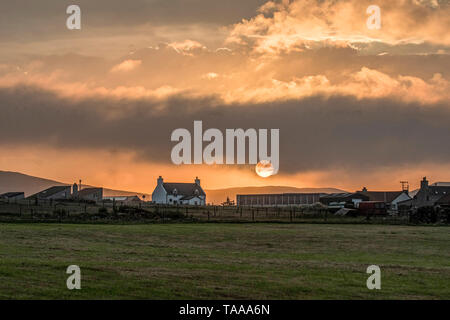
column 440, row 190
column 122, row 198
column 383, row 196
column 184, row 189
column 88, row 191
column 341, row 195
column 444, row 200
column 441, row 184
column 11, row 194
column 283, row 194
column 49, row 192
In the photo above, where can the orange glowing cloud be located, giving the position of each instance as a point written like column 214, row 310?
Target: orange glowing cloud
column 294, row 26
column 127, row 65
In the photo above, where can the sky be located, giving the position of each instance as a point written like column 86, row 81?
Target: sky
column 355, row 107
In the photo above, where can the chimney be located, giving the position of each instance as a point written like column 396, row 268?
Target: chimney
column 160, row 181
column 197, row 181
column 424, row 183
column 364, row 189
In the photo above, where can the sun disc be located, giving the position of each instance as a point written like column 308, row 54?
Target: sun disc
column 264, row 169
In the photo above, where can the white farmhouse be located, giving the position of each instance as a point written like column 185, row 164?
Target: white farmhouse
column 179, row 193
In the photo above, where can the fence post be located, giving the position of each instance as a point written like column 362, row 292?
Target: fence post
column 290, row 215
column 253, row 215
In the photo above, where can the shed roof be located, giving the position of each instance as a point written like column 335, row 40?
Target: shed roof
column 384, row 196
column 88, row 191
column 49, row 192
column 11, row 194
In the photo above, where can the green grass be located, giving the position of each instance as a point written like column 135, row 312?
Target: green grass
column 224, row 261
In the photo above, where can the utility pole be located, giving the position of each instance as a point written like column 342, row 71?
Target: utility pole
column 405, row 186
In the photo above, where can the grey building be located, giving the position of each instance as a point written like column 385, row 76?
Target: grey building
column 428, row 195
column 91, row 194
column 12, row 196
column 284, row 199
column 53, row 193
column 342, row 199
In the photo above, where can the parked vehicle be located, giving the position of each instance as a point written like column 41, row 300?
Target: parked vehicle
column 372, row 208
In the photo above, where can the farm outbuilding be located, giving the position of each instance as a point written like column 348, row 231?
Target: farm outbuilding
column 390, row 198
column 12, row 196
column 53, row 193
column 285, row 199
column 91, row 194
column 124, row 200
column 343, row 199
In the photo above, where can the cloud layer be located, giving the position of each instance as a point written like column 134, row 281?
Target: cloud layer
column 345, row 98
column 316, row 133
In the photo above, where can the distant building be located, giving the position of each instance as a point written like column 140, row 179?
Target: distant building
column 444, row 201
column 343, row 199
column 127, row 200
column 428, row 195
column 12, row 196
column 179, row 193
column 53, row 193
column 91, row 194
column 285, row 199
column 390, row 198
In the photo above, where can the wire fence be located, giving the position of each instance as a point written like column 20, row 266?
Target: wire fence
column 107, row 211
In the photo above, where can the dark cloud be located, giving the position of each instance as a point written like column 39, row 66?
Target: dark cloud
column 37, row 20
column 337, row 63
column 315, row 133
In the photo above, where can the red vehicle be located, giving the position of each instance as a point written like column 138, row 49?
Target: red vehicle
column 372, row 208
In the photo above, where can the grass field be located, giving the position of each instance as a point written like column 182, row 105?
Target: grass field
column 224, row 261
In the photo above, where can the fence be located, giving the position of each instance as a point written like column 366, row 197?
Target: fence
column 71, row 211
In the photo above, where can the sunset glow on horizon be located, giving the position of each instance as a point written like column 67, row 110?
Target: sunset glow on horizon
column 355, row 107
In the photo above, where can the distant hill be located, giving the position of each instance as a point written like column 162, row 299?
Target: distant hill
column 220, row 195
column 15, row 181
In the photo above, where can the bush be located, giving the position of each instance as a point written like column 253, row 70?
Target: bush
column 60, row 212
column 174, row 215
